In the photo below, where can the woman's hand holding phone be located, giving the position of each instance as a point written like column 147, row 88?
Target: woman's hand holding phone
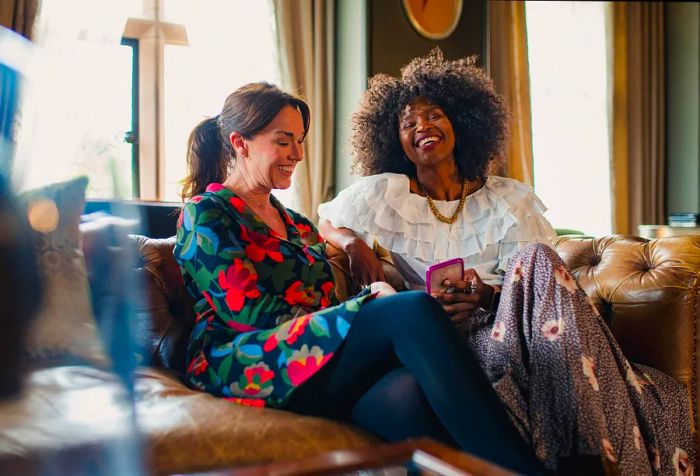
column 470, row 293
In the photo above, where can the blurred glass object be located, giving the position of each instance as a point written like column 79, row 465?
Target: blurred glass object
column 73, row 417
column 15, row 64
column 21, row 287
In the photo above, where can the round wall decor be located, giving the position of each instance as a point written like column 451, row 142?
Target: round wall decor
column 433, row 19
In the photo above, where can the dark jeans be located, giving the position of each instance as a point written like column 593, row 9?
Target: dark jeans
column 403, row 371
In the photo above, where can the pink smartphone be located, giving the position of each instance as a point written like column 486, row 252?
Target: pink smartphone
column 452, row 269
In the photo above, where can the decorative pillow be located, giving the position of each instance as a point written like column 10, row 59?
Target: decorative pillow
column 64, row 330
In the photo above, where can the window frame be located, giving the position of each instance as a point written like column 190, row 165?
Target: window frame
column 132, row 137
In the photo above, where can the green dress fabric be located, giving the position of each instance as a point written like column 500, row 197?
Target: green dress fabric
column 267, row 318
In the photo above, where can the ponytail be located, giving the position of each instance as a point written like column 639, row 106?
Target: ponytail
column 207, row 159
column 247, row 111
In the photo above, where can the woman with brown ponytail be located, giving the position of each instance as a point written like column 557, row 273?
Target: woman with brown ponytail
column 268, row 329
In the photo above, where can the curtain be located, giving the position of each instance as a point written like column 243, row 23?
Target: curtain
column 19, row 15
column 508, row 66
column 306, row 35
column 638, row 118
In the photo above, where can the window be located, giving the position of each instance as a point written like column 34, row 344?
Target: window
column 129, row 79
column 224, row 49
column 568, row 60
column 79, row 105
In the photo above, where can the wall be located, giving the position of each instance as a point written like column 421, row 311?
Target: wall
column 375, row 36
column 682, row 107
column 394, row 42
column 351, row 79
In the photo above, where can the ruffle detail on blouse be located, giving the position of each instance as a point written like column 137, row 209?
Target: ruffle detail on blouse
column 381, row 207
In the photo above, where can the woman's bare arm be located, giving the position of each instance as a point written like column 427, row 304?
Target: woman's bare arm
column 364, row 265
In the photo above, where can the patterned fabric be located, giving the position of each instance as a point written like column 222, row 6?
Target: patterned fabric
column 567, row 386
column 266, row 313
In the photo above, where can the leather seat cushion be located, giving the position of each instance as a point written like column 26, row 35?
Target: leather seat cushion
column 68, row 415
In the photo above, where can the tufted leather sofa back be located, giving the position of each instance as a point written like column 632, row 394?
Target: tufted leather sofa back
column 647, row 291
column 165, row 314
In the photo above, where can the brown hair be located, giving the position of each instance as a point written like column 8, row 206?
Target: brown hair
column 248, row 110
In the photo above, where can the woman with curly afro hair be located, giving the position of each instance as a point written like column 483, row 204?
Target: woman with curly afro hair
column 424, row 142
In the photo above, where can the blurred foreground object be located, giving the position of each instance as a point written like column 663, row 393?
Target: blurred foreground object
column 21, row 287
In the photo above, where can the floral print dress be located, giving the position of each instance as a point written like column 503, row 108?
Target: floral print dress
column 266, row 312
column 565, row 382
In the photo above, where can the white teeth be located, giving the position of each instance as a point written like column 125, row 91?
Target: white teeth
column 286, row 168
column 427, row 140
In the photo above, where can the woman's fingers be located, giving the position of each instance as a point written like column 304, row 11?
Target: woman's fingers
column 457, row 297
column 461, row 307
column 463, row 286
column 460, row 316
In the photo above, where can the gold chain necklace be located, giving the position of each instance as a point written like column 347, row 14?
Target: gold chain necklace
column 436, row 212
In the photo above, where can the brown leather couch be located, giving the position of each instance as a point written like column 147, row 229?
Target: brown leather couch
column 647, row 291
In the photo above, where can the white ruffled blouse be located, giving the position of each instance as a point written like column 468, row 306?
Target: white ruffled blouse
column 497, row 220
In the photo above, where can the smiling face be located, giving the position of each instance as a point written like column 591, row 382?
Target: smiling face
column 269, row 157
column 426, row 134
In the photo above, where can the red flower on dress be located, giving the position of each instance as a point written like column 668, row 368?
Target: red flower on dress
column 327, row 289
column 309, row 256
column 237, row 203
column 198, row 365
column 256, row 381
column 249, row 402
column 240, row 327
column 240, row 282
column 209, row 300
column 215, row 187
column 260, row 245
column 305, row 231
column 288, row 332
column 179, row 219
column 304, row 363
column 295, row 294
column 287, row 219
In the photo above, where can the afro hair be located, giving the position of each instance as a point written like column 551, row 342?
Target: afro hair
column 478, row 115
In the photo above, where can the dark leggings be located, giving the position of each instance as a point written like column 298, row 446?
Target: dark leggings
column 403, row 372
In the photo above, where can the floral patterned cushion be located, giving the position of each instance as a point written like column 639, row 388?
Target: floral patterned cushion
column 64, row 331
